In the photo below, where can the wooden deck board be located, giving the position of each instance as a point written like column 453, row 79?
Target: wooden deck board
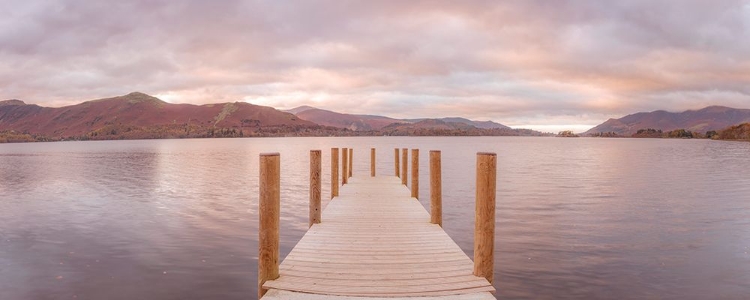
column 288, row 295
column 374, row 240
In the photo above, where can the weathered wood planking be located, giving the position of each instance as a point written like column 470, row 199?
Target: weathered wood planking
column 376, row 241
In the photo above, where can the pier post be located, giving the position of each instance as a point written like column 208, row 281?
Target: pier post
column 436, row 189
column 395, row 164
column 484, row 226
column 315, row 186
column 334, row 172
column 268, row 230
column 404, row 165
column 415, row 173
column 372, row 162
column 345, row 166
column 351, row 161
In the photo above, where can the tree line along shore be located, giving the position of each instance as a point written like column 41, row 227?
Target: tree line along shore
column 174, row 131
column 736, row 132
column 180, row 131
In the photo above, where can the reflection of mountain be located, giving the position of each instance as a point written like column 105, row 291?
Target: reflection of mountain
column 709, row 118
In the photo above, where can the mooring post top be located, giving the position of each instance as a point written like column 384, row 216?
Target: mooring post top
column 270, row 154
column 487, row 153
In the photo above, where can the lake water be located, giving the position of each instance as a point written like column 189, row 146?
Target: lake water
column 177, row 219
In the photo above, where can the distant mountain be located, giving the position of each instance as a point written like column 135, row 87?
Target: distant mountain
column 140, row 116
column 439, row 127
column 11, row 102
column 429, row 124
column 299, row 109
column 137, row 115
column 372, row 122
column 477, row 124
column 348, row 121
column 706, row 119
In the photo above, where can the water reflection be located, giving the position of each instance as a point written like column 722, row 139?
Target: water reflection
column 177, row 219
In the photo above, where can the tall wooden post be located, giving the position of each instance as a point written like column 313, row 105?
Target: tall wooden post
column 345, row 166
column 315, row 186
column 436, row 189
column 334, row 172
column 351, row 161
column 269, row 210
column 395, row 164
column 372, row 162
column 404, row 165
column 484, row 226
column 415, row 173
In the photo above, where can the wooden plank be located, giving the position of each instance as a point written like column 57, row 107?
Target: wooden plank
column 372, row 290
column 384, row 261
column 458, row 269
column 289, row 295
column 387, row 254
column 316, row 273
column 371, row 253
column 321, row 244
column 364, row 231
column 375, row 241
column 367, row 233
column 385, row 282
column 387, row 265
column 369, row 258
column 372, row 250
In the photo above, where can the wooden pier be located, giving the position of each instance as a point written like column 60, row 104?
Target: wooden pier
column 374, row 239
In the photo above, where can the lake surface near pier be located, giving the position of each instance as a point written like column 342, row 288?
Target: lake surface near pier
column 177, row 219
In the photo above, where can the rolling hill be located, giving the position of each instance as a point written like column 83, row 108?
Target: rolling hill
column 477, row 124
column 140, row 116
column 137, row 115
column 372, row 122
column 702, row 120
column 340, row 120
column 439, row 127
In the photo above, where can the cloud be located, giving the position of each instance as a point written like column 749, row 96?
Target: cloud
column 514, row 62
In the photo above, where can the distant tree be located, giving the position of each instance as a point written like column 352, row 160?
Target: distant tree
column 567, row 133
column 680, row 133
column 737, row 132
column 648, row 133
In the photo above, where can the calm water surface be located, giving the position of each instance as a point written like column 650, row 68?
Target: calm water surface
column 177, row 219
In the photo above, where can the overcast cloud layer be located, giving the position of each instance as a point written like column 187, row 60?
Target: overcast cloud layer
column 521, row 63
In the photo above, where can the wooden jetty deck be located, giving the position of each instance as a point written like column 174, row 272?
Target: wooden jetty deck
column 374, row 240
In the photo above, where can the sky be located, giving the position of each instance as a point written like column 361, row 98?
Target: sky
column 546, row 65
